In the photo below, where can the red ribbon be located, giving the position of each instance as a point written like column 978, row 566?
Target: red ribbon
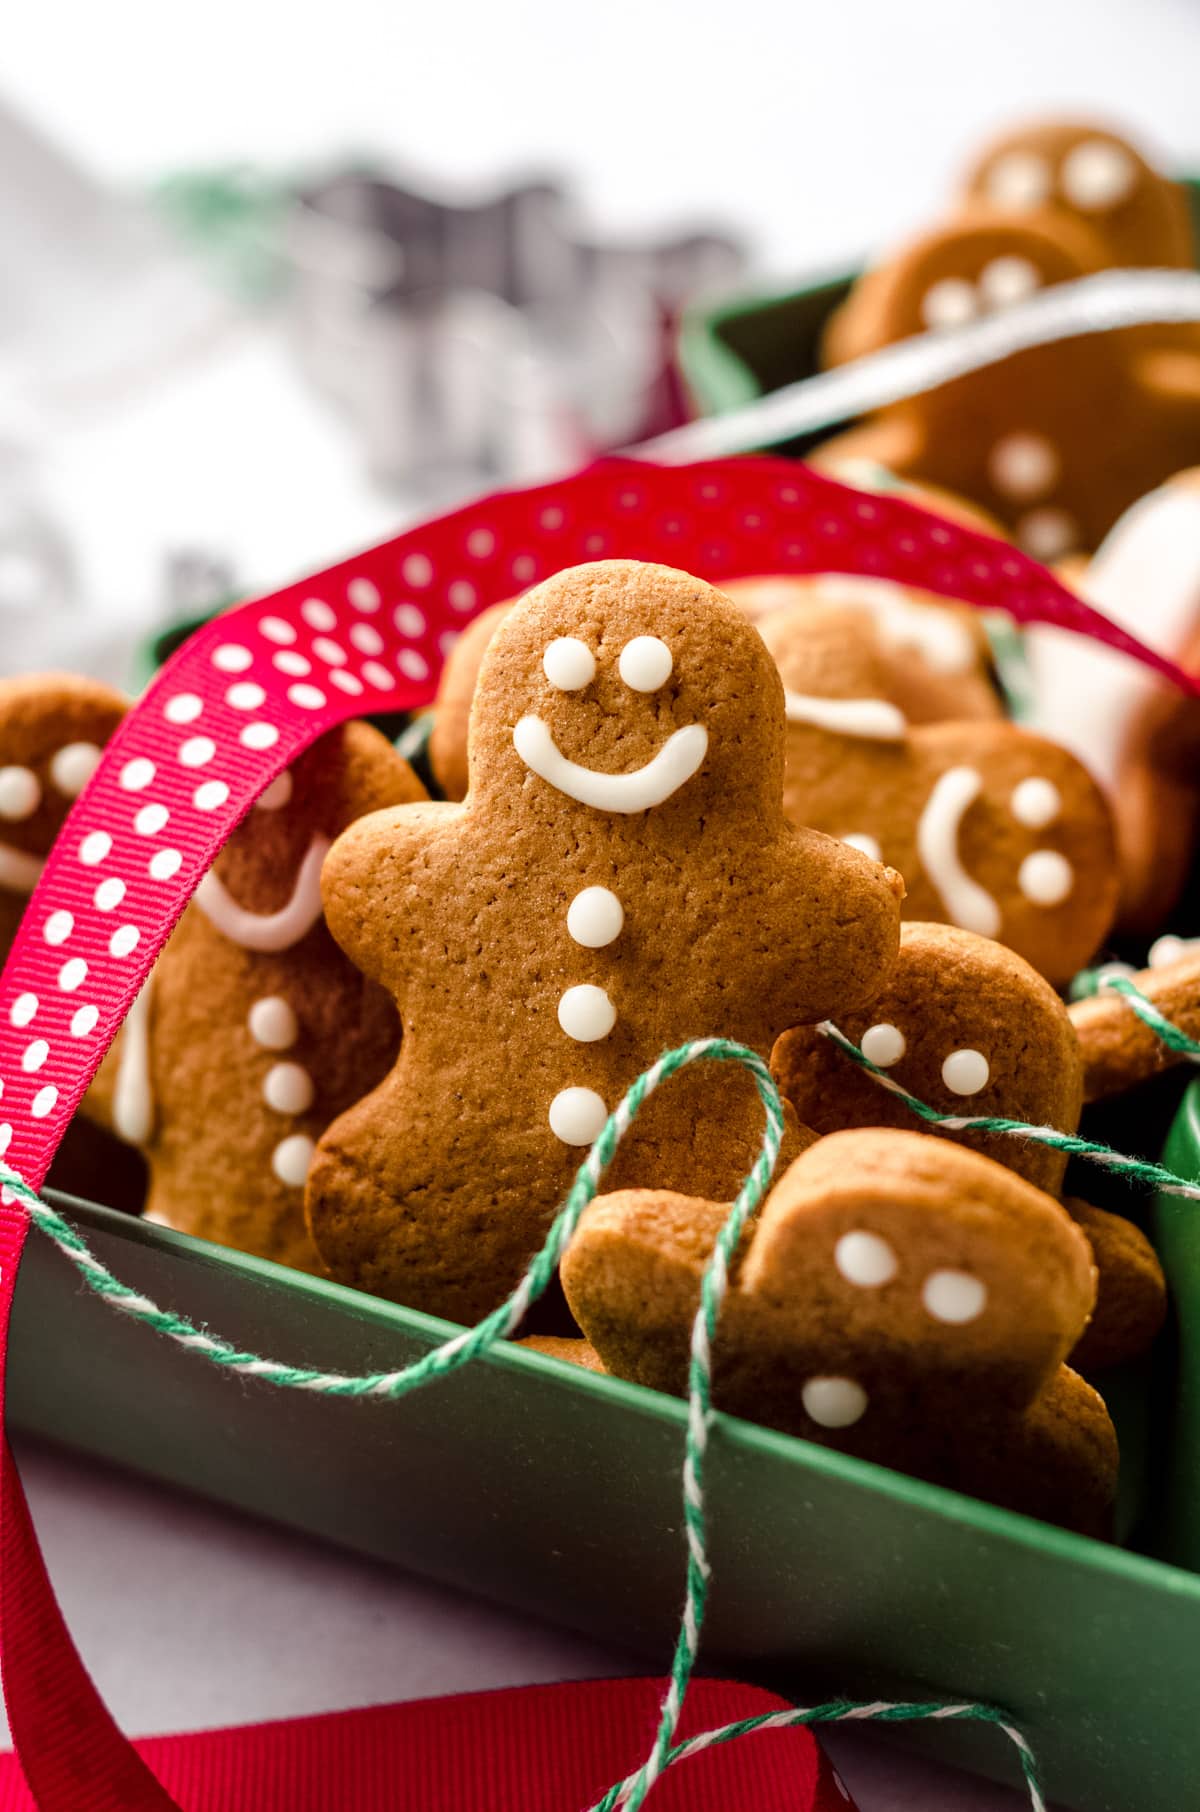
column 234, row 707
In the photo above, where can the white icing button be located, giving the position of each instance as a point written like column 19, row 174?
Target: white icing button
column 869, row 846
column 1046, row 878
column 184, row 708
column 949, row 303
column 23, row 1009
column 865, row 1259
column 586, row 1013
column 833, row 1402
column 288, row 1088
column 1019, row 179
column 954, row 1296
column 576, row 1115
column 1008, row 280
column 95, row 846
column 292, row 1159
column 595, row 917
column 1166, row 949
column 85, row 1020
column 883, row 1045
column 965, row 1072
column 72, row 975
column 277, row 794
column 231, row 657
column 137, row 774
column 1023, row 465
column 569, row 664
column 1047, row 534
column 1035, row 802
column 645, row 663
column 73, row 767
column 20, row 793
column 273, row 1024
column 59, row 927
column 1096, row 175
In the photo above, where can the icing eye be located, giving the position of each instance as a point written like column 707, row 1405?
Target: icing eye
column 569, row 664
column 954, row 1296
column 1047, row 534
column 883, row 1045
column 645, row 663
column 1008, row 280
column 20, row 793
column 73, row 767
column 1046, row 878
column 1096, row 175
column 1035, row 802
column 277, row 794
column 965, row 1072
column 833, row 1402
column 1019, row 179
column 865, row 1259
column 950, row 303
column 867, row 845
column 1023, row 465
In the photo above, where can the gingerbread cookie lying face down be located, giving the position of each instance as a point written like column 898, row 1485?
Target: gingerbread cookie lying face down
column 994, row 829
column 969, row 1029
column 973, row 265
column 620, row 879
column 1093, row 177
column 1137, row 734
column 53, row 727
column 255, row 1031
column 898, row 1298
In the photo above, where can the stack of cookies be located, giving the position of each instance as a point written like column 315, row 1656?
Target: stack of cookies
column 1058, row 440
column 389, row 1026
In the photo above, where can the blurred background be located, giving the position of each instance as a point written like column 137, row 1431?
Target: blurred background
column 276, row 279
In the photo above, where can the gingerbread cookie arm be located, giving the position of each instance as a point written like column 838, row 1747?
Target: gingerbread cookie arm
column 374, row 884
column 1119, row 1049
column 1131, row 1291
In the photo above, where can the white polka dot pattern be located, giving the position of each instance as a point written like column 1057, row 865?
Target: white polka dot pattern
column 370, row 636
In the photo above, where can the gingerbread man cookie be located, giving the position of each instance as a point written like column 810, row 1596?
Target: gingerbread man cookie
column 994, row 829
column 1119, row 1049
column 898, row 1298
column 1088, row 175
column 968, row 1028
column 254, row 1031
column 1135, row 732
column 456, row 689
column 972, row 265
column 53, row 728
column 620, row 879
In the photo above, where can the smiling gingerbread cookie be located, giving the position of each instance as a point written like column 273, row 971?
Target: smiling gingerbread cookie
column 994, row 829
column 254, row 1030
column 620, row 879
column 53, row 728
column 897, row 1298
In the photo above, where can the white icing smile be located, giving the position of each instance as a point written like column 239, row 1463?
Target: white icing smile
column 678, row 759
column 19, row 871
column 272, row 931
column 870, row 717
column 967, row 903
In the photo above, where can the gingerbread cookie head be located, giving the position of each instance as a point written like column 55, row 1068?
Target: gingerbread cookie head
column 619, row 880
column 1094, row 177
column 53, row 728
column 898, row 1298
column 634, row 691
column 968, row 1028
column 969, row 267
column 452, row 707
column 254, row 1031
column 994, row 829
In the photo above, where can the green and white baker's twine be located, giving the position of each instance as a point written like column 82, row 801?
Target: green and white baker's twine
column 631, row 1792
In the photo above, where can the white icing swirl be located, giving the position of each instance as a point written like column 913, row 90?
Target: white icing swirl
column 968, row 904
column 872, row 718
column 268, row 931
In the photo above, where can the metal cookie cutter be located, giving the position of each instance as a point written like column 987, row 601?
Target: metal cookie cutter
column 467, row 339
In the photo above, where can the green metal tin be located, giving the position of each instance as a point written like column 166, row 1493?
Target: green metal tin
column 558, row 1493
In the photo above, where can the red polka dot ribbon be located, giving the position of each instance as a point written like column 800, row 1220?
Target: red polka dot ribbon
column 233, row 708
